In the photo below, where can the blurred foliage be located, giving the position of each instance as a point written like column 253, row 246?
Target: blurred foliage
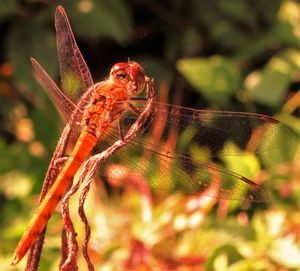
column 224, row 54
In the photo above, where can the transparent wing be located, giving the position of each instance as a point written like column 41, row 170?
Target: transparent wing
column 223, row 133
column 171, row 165
column 181, row 173
column 75, row 75
column 74, row 72
column 63, row 104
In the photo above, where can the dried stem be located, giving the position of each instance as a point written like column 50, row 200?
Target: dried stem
column 87, row 228
column 90, row 168
column 72, row 246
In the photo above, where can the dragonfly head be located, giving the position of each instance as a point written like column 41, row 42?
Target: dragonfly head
column 130, row 75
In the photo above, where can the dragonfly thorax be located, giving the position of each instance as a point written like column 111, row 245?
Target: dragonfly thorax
column 107, row 104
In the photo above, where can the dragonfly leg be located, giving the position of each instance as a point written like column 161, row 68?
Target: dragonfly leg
column 139, row 99
column 134, row 109
column 121, row 134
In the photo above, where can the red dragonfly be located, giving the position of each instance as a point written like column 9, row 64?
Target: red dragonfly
column 97, row 111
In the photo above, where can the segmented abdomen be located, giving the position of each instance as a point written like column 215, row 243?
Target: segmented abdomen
column 81, row 152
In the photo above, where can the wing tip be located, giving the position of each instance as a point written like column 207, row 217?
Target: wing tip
column 59, row 12
column 248, row 181
column 33, row 61
column 60, row 9
column 256, row 192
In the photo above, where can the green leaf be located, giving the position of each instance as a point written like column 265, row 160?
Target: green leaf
column 287, row 61
column 269, row 87
column 288, row 17
column 216, row 77
column 229, row 250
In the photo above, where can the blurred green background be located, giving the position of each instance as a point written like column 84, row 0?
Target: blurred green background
column 223, row 55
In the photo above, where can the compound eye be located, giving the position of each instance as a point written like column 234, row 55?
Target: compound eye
column 121, row 75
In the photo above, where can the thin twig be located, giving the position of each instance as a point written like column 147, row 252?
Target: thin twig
column 87, row 227
column 90, row 168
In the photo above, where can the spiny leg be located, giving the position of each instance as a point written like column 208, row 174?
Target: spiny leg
column 135, row 110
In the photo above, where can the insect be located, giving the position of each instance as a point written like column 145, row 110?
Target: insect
column 97, row 111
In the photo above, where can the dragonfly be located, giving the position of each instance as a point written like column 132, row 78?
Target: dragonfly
column 102, row 112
